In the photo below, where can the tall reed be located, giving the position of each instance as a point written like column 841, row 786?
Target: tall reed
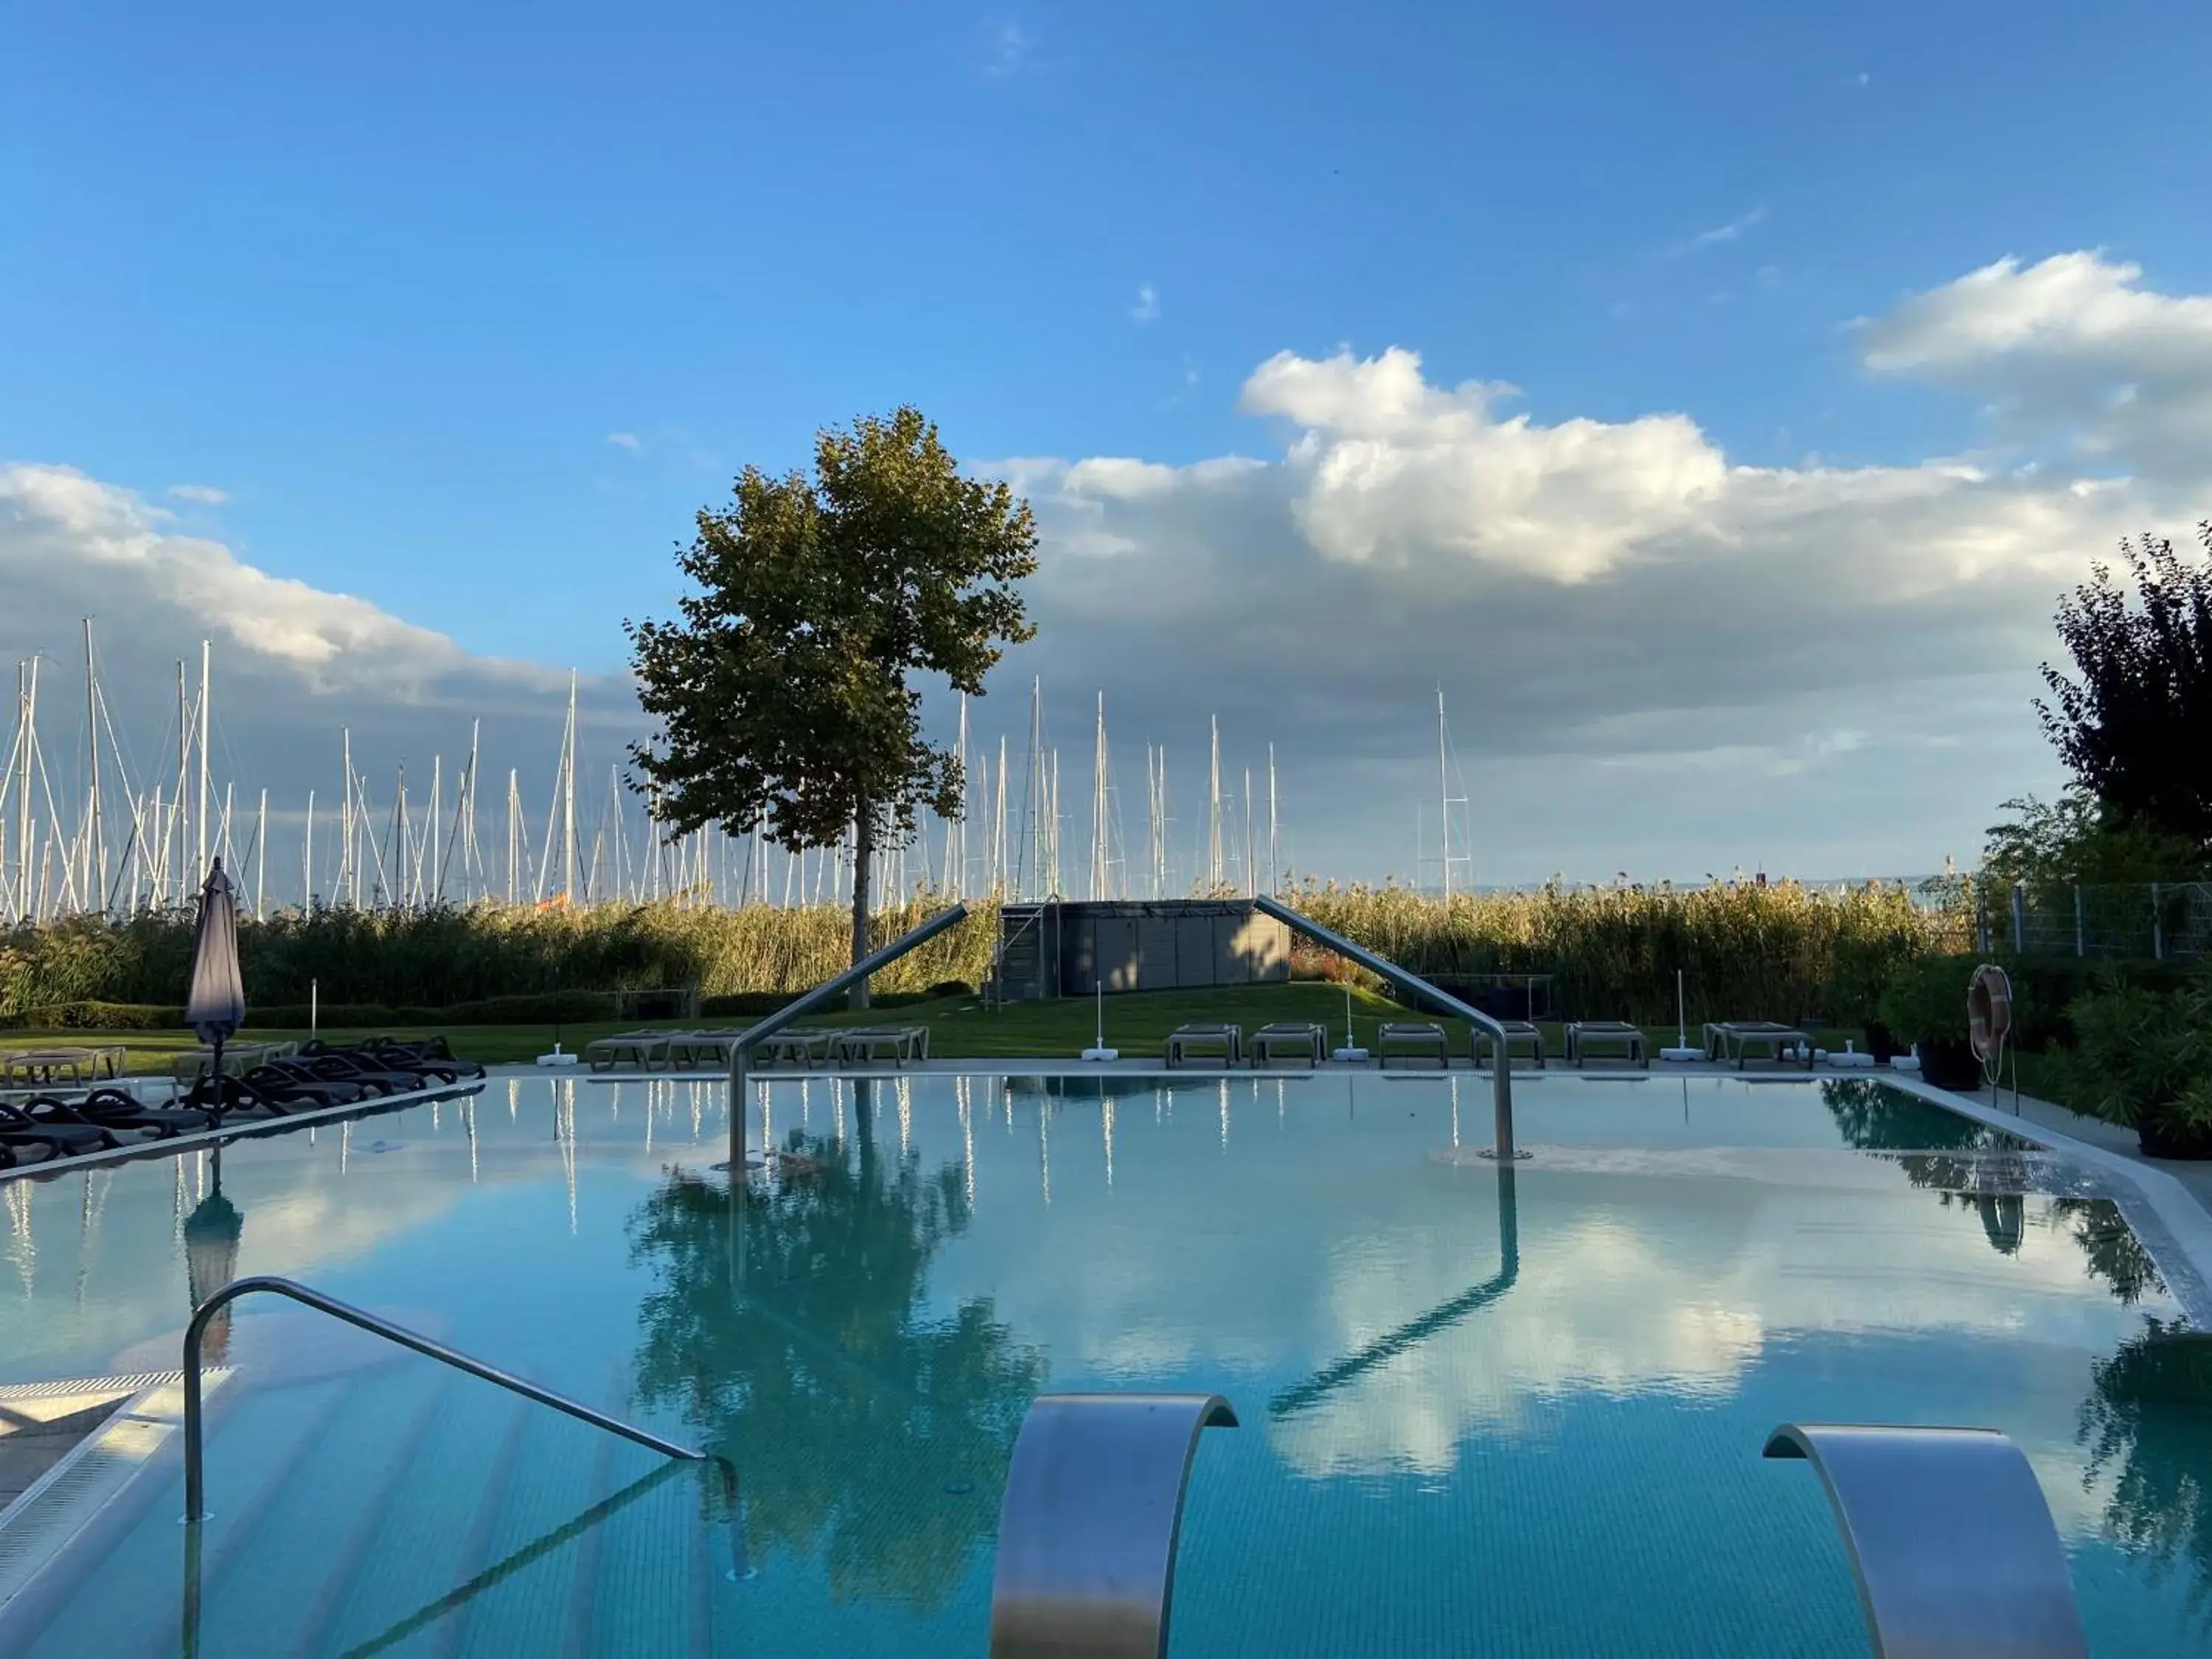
column 1748, row 951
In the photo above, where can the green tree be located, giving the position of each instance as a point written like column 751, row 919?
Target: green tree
column 2132, row 727
column 785, row 689
column 2080, row 838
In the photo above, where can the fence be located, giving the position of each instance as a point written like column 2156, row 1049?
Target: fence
column 2158, row 921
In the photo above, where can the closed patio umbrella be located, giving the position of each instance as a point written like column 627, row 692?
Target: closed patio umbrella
column 214, row 1005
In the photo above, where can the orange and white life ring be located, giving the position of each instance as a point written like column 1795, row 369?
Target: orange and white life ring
column 1989, row 1012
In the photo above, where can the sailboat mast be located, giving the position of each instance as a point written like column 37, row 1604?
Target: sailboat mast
column 1213, row 869
column 568, row 800
column 95, row 838
column 201, row 863
column 1274, row 870
column 1444, row 794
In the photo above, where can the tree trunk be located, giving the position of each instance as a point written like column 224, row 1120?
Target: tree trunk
column 864, row 839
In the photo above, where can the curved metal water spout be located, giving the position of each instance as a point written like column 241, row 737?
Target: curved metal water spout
column 1087, row 1530
column 1951, row 1541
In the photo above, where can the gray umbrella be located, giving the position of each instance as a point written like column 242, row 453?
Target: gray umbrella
column 215, row 1006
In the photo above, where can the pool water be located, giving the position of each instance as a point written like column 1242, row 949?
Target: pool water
column 1484, row 1412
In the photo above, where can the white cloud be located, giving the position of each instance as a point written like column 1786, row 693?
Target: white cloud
column 199, row 494
column 626, row 440
column 1148, row 308
column 1733, row 231
column 1596, row 591
column 2073, row 348
column 292, row 663
column 1009, row 50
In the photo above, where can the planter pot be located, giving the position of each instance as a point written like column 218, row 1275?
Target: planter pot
column 1950, row 1066
column 2158, row 1141
column 1880, row 1044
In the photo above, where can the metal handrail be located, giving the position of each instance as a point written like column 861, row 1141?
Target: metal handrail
column 195, row 1506
column 1502, row 1090
column 741, row 1050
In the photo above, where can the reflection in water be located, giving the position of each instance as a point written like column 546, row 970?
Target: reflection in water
column 2149, row 1422
column 1942, row 1152
column 212, row 1233
column 1419, row 1330
column 790, row 1327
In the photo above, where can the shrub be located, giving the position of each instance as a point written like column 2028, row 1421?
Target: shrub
column 2143, row 1058
column 100, row 1017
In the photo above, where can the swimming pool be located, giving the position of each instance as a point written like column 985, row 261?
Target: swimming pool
column 1513, row 1412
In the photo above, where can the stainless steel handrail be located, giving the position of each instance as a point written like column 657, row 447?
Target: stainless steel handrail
column 1951, row 1541
column 195, row 1491
column 741, row 1050
column 1502, row 1089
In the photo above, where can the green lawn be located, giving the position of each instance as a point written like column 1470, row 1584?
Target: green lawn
column 960, row 1028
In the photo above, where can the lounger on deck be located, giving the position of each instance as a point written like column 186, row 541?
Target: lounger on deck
column 1518, row 1033
column 1412, row 1040
column 1205, row 1041
column 802, row 1048
column 1290, row 1040
column 1585, row 1035
column 692, row 1051
column 647, row 1050
column 1733, row 1039
column 897, row 1043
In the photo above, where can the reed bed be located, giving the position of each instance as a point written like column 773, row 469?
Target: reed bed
column 1776, row 951
column 1746, row 951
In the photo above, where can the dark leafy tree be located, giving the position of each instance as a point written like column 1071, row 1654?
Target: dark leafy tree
column 793, row 1331
column 786, row 688
column 2135, row 727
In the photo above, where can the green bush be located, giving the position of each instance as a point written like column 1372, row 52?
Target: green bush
column 1925, row 1001
column 99, row 1017
column 2143, row 1058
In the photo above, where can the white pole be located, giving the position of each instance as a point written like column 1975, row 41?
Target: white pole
column 200, row 870
column 260, row 853
column 308, row 859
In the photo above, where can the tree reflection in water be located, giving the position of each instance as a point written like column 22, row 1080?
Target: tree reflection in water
column 867, row 1428
column 1939, row 1151
column 2149, row 1422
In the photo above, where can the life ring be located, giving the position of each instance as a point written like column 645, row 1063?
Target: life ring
column 1989, row 1013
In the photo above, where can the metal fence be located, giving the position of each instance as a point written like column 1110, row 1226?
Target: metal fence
column 2158, row 921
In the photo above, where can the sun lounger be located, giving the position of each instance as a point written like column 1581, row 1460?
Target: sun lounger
column 1584, row 1034
column 1412, row 1039
column 694, row 1051
column 1292, row 1040
column 1205, row 1041
column 37, row 1067
column 802, row 1048
column 647, row 1050
column 897, row 1043
column 237, row 1057
column 1517, row 1032
column 1733, row 1039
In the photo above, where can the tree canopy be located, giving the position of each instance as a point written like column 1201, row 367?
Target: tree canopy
column 2135, row 726
column 785, row 692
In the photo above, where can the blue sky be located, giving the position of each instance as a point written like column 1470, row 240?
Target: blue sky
column 391, row 284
